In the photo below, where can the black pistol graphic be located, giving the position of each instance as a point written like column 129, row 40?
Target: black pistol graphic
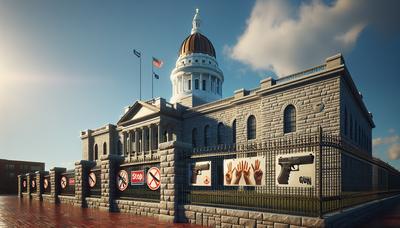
column 288, row 164
column 196, row 170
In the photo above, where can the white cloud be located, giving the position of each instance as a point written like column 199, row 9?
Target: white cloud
column 285, row 39
column 394, row 152
column 386, row 140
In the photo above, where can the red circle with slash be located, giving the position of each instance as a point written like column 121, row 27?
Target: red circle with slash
column 122, row 180
column 92, row 179
column 153, row 178
column 63, row 182
column 45, row 183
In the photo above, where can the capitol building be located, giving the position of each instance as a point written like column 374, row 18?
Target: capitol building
column 321, row 97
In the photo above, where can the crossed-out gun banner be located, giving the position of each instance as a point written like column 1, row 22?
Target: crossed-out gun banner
column 249, row 171
column 295, row 170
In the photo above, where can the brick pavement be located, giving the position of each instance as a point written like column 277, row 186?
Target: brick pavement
column 17, row 212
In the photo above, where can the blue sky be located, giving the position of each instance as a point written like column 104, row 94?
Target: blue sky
column 66, row 66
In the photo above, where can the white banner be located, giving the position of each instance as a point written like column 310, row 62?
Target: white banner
column 200, row 173
column 248, row 171
column 295, row 170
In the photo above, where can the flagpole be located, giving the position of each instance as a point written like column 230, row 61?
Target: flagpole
column 140, row 77
column 152, row 75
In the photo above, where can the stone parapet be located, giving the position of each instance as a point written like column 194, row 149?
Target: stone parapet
column 82, row 169
column 223, row 217
column 55, row 175
column 109, row 165
column 171, row 178
column 138, row 207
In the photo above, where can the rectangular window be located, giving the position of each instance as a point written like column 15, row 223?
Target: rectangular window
column 204, row 85
column 196, row 84
column 190, row 84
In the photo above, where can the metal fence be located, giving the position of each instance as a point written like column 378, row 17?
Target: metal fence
column 46, row 184
column 327, row 190
column 138, row 189
column 67, row 183
column 94, row 179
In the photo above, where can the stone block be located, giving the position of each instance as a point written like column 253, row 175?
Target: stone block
column 281, row 225
column 312, row 222
column 238, row 213
column 255, row 215
column 248, row 223
column 230, row 219
column 226, row 225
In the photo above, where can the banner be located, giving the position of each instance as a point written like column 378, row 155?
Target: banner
column 200, row 173
column 248, row 171
column 295, row 170
column 137, row 177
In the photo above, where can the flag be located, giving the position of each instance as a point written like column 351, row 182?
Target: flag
column 137, row 53
column 156, row 75
column 157, row 63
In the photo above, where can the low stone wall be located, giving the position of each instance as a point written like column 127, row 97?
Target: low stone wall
column 93, row 202
column 67, row 199
column 48, row 198
column 25, row 194
column 138, row 207
column 222, row 217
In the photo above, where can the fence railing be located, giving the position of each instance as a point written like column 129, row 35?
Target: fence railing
column 137, row 187
column 333, row 183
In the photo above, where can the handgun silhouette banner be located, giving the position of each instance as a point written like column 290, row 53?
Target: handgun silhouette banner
column 200, row 173
column 295, row 170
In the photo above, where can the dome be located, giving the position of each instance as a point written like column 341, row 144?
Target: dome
column 197, row 43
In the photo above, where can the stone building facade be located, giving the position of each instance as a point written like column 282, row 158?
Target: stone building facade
column 312, row 110
column 323, row 96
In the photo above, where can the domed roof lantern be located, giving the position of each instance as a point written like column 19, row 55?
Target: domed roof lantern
column 196, row 22
column 196, row 42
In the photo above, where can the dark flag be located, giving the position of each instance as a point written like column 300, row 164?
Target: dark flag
column 137, row 53
column 156, row 75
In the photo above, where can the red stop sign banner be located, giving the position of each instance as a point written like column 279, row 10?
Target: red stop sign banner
column 137, row 177
column 71, row 181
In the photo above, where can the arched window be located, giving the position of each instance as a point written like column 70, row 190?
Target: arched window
column 234, row 131
column 194, row 137
column 220, row 133
column 251, row 127
column 96, row 152
column 104, row 148
column 207, row 135
column 290, row 119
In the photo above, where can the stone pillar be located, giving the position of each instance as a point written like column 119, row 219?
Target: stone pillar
column 151, row 135
column 82, row 169
column 20, row 186
column 109, row 168
column 172, row 179
column 39, row 185
column 55, row 176
column 28, row 184
column 137, row 142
